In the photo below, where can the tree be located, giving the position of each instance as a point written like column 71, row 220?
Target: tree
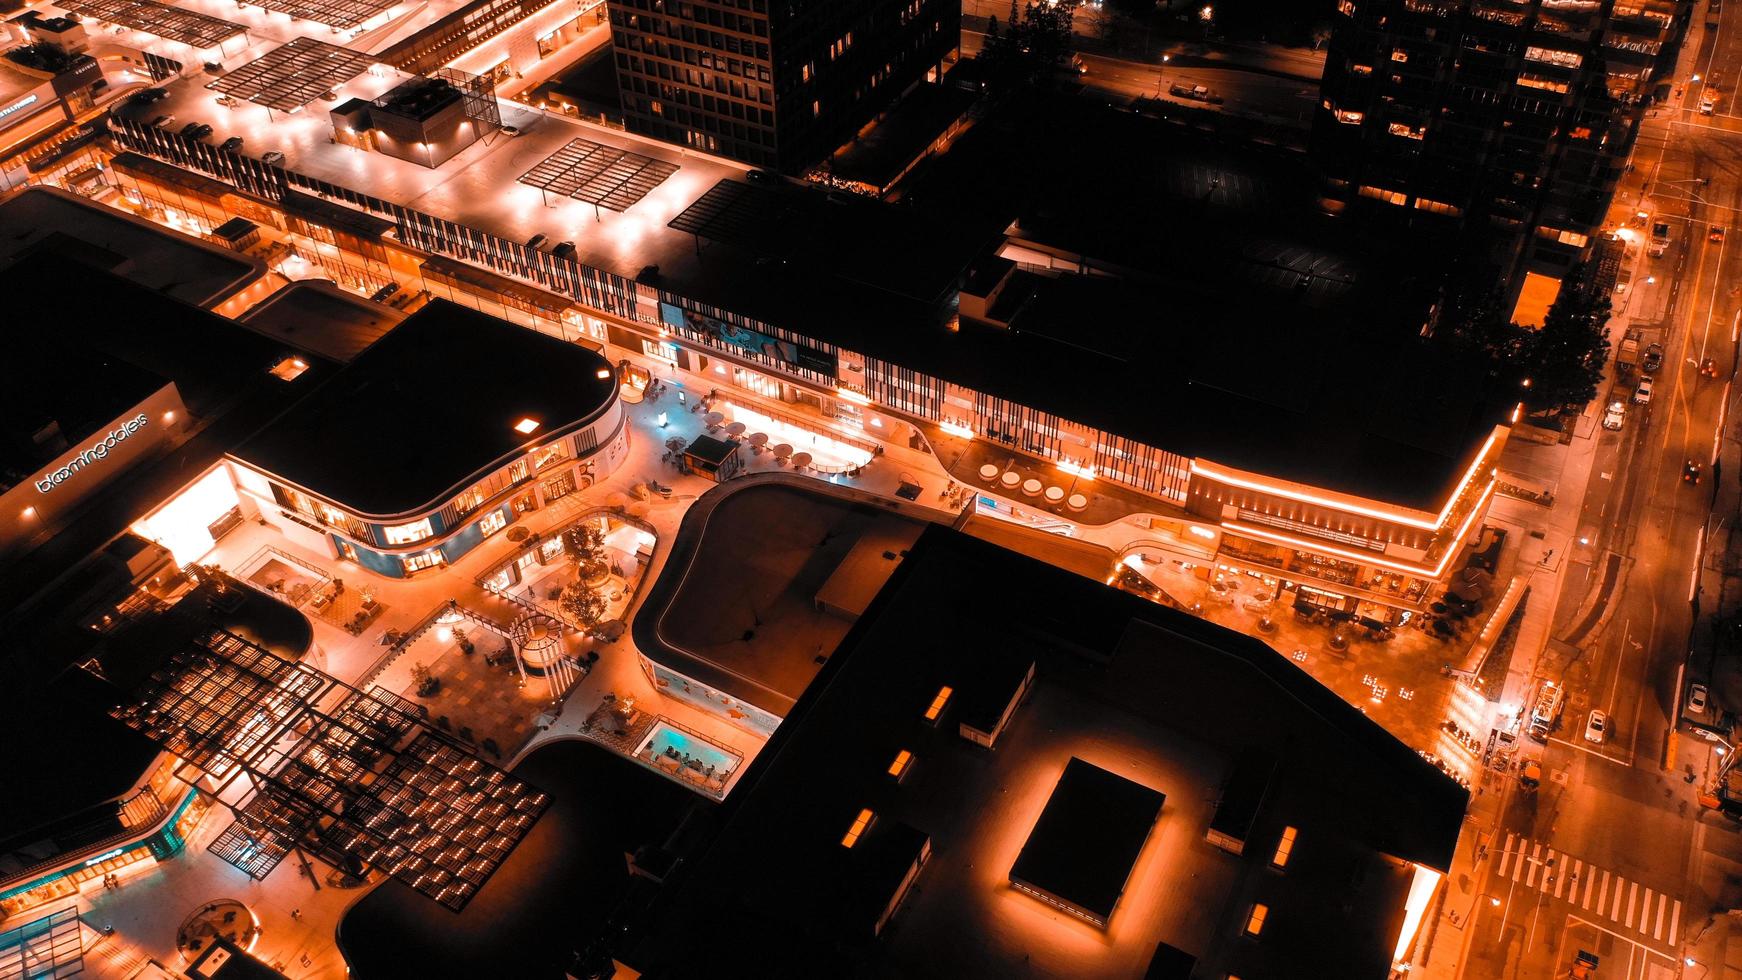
column 583, row 604
column 1032, row 49
column 584, row 544
column 1565, row 358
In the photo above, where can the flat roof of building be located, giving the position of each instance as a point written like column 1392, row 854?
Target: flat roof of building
column 1249, row 315
column 762, row 637
column 321, row 317
column 429, row 407
column 1150, row 694
column 52, row 220
column 46, row 381
column 219, row 368
column 1084, row 845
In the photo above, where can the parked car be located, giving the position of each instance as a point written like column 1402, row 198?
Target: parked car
column 150, row 95
column 1642, row 394
column 1716, row 234
column 1708, row 368
column 564, row 250
column 1708, row 104
column 162, row 122
column 1691, row 471
column 537, row 240
column 511, row 130
column 1697, row 699
column 1597, row 727
column 1616, row 415
column 231, row 145
column 272, row 157
column 1653, row 357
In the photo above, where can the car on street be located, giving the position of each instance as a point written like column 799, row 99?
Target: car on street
column 1659, row 238
column 1616, row 415
column 1691, row 471
column 1530, row 774
column 1697, row 699
column 231, row 145
column 1716, row 234
column 1708, row 104
column 1597, row 727
column 1642, row 394
column 1708, row 368
column 1653, row 358
column 272, row 157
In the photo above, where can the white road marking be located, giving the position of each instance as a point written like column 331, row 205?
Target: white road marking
column 1506, row 855
column 1603, row 893
column 1632, row 901
column 1675, row 918
column 1657, row 928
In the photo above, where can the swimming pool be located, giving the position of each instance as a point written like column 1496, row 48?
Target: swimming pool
column 663, row 736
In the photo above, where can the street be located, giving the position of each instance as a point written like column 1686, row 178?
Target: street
column 1613, row 853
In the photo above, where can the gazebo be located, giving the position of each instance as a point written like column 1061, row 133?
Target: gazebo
column 714, row 458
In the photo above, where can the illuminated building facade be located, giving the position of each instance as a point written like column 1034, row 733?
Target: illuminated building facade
column 1363, row 477
column 371, row 471
column 1513, row 116
column 769, row 82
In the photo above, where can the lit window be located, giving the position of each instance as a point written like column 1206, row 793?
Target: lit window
column 1284, row 847
column 1255, row 921
column 1350, row 117
column 604, row 374
column 526, row 426
column 903, row 759
column 937, row 703
column 1405, row 129
column 1360, row 69
column 1399, row 55
column 862, row 821
column 289, row 368
column 407, row 533
column 1346, row 7
column 1437, row 207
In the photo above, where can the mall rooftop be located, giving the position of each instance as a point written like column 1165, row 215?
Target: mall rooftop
column 1277, row 793
column 445, row 395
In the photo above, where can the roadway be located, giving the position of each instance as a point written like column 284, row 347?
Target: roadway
column 1613, row 853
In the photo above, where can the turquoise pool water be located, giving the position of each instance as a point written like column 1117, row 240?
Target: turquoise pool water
column 663, row 736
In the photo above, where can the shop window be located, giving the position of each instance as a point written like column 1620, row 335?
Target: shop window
column 407, row 533
column 289, row 368
column 554, row 453
column 493, row 522
column 417, row 563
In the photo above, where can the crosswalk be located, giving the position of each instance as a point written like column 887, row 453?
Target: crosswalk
column 1597, row 891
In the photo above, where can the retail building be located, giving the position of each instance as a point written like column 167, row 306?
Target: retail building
column 439, row 435
column 915, row 849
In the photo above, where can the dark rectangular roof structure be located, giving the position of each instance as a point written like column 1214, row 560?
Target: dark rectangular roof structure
column 989, row 682
column 1124, row 684
column 294, row 74
column 711, row 450
column 373, row 439
column 34, row 392
column 598, row 174
column 160, row 19
column 1086, row 842
column 341, row 14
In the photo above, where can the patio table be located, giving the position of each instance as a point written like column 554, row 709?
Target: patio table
column 782, row 451
column 1010, row 479
column 989, row 472
column 800, row 460
column 736, row 428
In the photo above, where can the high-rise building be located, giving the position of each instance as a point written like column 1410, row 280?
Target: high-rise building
column 776, row 83
column 1512, row 115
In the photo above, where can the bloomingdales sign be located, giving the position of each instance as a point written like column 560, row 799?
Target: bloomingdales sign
column 91, row 455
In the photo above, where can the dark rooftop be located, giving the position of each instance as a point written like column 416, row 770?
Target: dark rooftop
column 1246, row 315
column 428, row 408
column 1160, row 697
column 1086, row 842
column 45, row 382
column 418, row 98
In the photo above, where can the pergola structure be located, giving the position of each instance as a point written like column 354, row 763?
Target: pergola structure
column 293, row 74
column 196, row 30
column 354, row 777
column 340, row 14
column 598, row 174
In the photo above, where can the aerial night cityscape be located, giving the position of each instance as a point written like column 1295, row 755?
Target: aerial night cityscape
column 572, row 489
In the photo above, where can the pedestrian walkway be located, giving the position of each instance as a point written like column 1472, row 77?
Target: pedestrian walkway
column 1597, row 891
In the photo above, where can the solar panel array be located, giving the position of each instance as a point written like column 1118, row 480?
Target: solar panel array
column 158, row 19
column 598, row 174
column 292, row 75
column 342, row 14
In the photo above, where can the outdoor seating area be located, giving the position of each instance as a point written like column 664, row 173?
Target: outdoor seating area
column 461, row 672
column 787, row 440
